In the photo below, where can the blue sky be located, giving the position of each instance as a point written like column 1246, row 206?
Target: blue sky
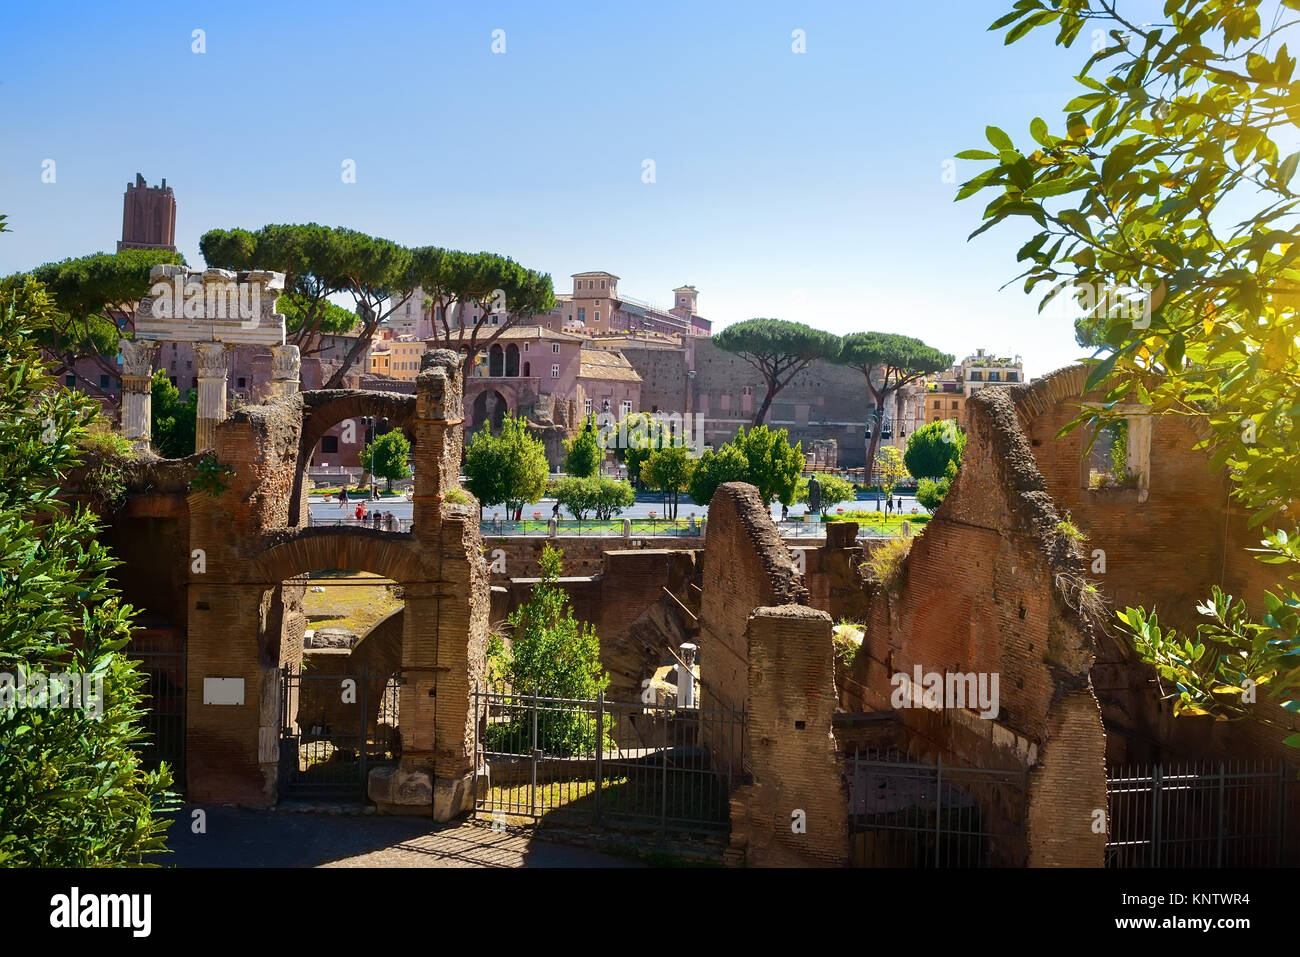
column 800, row 186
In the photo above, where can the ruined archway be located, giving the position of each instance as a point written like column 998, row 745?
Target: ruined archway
column 490, row 408
column 323, row 409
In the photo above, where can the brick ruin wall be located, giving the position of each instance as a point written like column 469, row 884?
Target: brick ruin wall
column 989, row 588
column 1163, row 553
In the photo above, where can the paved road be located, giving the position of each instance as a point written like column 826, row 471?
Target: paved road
column 282, row 838
column 646, row 502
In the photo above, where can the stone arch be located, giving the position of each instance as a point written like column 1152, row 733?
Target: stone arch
column 496, row 361
column 489, row 409
column 512, row 361
column 325, row 408
column 301, row 551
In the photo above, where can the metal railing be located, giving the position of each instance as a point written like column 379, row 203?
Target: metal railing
column 163, row 660
column 605, row 763
column 906, row 814
column 334, row 729
column 610, row 528
column 374, row 520
column 1198, row 814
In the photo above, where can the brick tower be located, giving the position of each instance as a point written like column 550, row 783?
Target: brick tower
column 148, row 216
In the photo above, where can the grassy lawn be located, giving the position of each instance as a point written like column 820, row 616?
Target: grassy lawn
column 355, row 607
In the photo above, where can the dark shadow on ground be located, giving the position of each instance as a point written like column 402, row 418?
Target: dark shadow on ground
column 237, row 837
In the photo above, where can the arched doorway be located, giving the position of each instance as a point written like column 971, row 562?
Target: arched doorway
column 528, row 369
column 512, row 360
column 496, row 361
column 490, row 409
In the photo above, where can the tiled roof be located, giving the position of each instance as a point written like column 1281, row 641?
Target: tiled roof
column 599, row 364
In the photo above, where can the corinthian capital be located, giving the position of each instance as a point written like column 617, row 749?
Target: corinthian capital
column 137, row 357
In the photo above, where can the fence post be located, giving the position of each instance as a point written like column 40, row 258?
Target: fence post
column 1279, row 846
column 600, row 748
column 1155, row 817
column 663, row 788
column 938, row 804
column 532, row 788
column 364, row 727
column 477, row 757
column 1218, row 844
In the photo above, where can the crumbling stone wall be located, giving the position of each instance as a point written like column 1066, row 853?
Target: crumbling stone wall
column 762, row 649
column 1162, row 549
column 992, row 588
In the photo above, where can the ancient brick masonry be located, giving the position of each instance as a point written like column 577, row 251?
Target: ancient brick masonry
column 764, row 650
column 245, row 621
column 993, row 588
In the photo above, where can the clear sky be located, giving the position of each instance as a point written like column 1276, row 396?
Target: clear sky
column 800, row 186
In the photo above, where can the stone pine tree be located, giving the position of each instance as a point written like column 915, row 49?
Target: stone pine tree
column 888, row 362
column 1161, row 202
column 72, row 789
column 778, row 349
column 94, row 300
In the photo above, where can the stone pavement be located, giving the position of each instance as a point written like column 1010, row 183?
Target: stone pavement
column 279, row 838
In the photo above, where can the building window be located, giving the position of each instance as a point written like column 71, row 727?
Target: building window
column 243, row 382
column 170, row 378
column 555, row 371
column 597, row 316
column 591, row 284
column 71, row 380
column 582, row 315
column 329, row 443
column 602, row 284
column 586, row 406
column 103, row 382
column 954, row 403
column 993, row 377
column 194, row 383
column 976, row 376
column 1011, row 377
column 525, row 347
column 555, row 347
column 625, row 408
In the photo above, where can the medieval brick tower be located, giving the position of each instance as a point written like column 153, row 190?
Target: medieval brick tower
column 148, row 216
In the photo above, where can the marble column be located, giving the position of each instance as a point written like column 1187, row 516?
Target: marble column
column 214, row 365
column 286, row 369
column 137, row 391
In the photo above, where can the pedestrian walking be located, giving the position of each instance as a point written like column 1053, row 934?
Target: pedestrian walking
column 343, row 498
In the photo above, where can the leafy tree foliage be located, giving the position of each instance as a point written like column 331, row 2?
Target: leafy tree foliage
column 504, row 292
column 778, row 349
column 175, row 420
column 931, row 492
column 1166, row 209
column 637, row 436
column 507, row 469
column 584, row 453
column 932, row 447
column 553, row 655
column 762, row 457
column 72, row 791
column 834, row 491
column 388, row 456
column 605, row 497
column 93, row 308
column 668, row 470
column 888, row 362
column 889, row 464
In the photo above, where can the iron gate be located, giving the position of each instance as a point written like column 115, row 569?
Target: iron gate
column 162, row 657
column 600, row 763
column 1225, row 814
column 906, row 814
column 335, row 728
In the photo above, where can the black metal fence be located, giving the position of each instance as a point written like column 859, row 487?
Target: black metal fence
column 906, row 814
column 162, row 657
column 335, row 728
column 1204, row 814
column 602, row 763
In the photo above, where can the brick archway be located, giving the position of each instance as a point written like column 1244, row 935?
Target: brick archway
column 322, row 409
column 301, row 551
